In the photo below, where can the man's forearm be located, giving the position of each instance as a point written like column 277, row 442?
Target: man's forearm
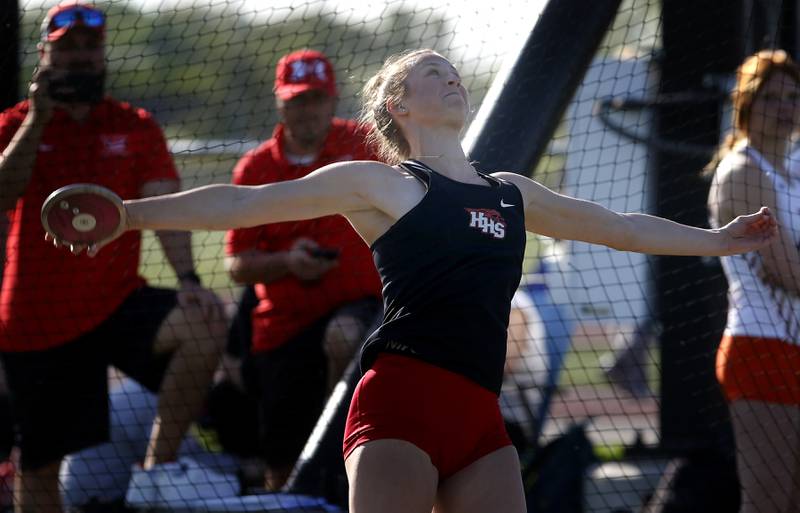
column 253, row 267
column 177, row 247
column 17, row 161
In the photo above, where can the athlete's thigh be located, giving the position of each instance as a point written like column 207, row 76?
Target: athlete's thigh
column 490, row 484
column 767, row 443
column 391, row 476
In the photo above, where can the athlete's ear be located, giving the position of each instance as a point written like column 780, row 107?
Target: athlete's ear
column 398, row 109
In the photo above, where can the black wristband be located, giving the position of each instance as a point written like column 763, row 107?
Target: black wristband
column 190, row 276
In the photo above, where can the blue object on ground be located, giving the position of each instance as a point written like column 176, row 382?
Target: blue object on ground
column 558, row 337
column 102, row 472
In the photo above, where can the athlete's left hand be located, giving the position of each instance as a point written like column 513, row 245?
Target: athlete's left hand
column 750, row 232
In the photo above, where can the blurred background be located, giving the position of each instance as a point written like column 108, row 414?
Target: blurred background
column 627, row 100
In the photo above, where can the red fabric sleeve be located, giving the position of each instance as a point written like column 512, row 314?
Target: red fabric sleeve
column 250, row 170
column 10, row 121
column 154, row 161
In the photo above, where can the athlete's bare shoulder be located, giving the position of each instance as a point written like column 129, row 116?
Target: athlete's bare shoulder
column 352, row 177
column 357, row 167
column 535, row 196
column 378, row 169
column 528, row 187
column 385, row 192
column 404, row 182
column 381, row 186
column 360, row 170
column 515, row 178
column 374, row 178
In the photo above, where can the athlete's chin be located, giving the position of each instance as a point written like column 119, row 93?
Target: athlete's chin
column 455, row 122
column 453, row 117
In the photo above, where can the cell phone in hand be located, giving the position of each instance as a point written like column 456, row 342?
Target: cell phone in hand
column 326, row 253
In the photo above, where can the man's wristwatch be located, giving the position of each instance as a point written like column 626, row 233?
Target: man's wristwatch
column 190, row 276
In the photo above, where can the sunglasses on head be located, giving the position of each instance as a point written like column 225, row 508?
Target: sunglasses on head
column 89, row 17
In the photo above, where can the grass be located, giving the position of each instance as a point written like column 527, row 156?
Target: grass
column 209, row 257
column 208, row 247
column 609, row 452
column 582, row 368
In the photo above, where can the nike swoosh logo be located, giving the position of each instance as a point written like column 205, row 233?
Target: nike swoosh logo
column 504, row 204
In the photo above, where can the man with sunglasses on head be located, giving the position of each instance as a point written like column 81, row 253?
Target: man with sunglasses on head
column 64, row 320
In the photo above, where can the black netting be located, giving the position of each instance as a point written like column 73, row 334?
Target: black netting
column 611, row 393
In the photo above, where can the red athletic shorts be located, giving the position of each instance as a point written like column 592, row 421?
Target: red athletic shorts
column 759, row 369
column 453, row 419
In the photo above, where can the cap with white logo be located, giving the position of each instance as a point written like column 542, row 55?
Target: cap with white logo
column 301, row 71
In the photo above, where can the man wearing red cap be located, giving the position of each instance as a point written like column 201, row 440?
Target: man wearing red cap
column 64, row 320
column 316, row 285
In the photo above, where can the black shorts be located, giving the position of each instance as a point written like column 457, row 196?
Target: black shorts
column 240, row 333
column 290, row 383
column 60, row 396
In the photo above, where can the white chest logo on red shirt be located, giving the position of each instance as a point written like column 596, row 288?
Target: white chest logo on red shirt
column 114, row 144
column 488, row 221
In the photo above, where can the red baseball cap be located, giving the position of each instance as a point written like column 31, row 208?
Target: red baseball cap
column 72, row 13
column 301, row 71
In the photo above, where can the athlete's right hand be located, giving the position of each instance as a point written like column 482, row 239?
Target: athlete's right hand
column 41, row 104
column 76, row 249
column 303, row 265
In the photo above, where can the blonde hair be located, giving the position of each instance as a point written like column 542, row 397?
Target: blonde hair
column 751, row 76
column 388, row 86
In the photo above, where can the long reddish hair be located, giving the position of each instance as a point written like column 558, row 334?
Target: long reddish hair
column 751, row 76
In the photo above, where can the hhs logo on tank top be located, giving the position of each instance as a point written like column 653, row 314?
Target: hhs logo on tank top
column 487, row 221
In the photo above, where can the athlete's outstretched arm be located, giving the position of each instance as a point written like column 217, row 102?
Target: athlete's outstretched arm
column 334, row 189
column 563, row 217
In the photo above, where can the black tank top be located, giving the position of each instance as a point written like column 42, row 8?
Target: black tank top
column 449, row 269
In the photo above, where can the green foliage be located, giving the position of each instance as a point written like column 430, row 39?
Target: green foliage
column 207, row 71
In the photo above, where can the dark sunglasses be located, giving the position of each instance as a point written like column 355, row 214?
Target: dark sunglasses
column 89, row 17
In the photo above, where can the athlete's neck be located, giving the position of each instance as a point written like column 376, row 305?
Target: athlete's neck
column 442, row 151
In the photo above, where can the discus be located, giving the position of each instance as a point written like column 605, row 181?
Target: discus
column 84, row 214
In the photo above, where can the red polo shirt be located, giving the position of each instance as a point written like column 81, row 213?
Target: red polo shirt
column 287, row 306
column 50, row 296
